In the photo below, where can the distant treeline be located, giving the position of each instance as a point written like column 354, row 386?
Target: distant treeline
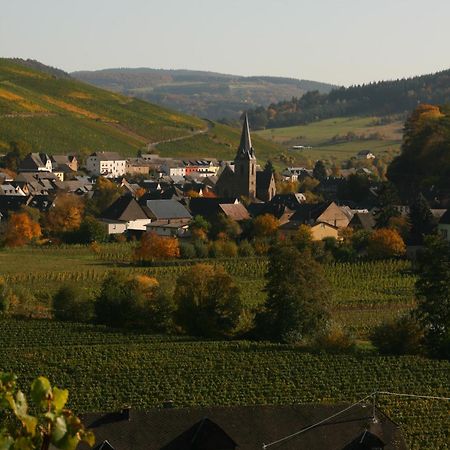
column 378, row 99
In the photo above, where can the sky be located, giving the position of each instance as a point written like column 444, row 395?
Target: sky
column 338, row 41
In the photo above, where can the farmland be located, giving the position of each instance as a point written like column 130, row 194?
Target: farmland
column 363, row 293
column 382, row 140
column 106, row 369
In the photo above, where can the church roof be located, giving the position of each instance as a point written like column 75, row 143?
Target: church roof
column 245, row 150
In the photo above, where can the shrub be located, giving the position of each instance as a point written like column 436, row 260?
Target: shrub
column 246, row 249
column 187, row 250
column 201, row 249
column 208, row 301
column 398, row 337
column 154, row 247
column 333, row 339
column 71, row 303
column 386, row 243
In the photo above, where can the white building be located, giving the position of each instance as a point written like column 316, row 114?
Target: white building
column 174, row 168
column 106, row 164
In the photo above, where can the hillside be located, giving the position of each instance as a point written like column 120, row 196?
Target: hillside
column 375, row 99
column 204, row 94
column 53, row 112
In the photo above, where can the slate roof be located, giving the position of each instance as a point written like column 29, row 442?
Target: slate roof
column 108, row 156
column 247, row 426
column 34, row 161
column 124, row 209
column 364, row 220
column 245, row 150
column 263, row 179
column 445, row 219
column 208, row 207
column 166, row 209
column 236, row 211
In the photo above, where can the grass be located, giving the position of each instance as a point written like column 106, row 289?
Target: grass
column 319, row 135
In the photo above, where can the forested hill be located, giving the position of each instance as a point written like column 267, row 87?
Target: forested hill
column 204, row 94
column 375, row 99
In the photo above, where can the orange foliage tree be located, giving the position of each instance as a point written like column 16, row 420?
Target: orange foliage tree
column 154, row 247
column 20, row 230
column 265, row 225
column 386, row 243
column 66, row 214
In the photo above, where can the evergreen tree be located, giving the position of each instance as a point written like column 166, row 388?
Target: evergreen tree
column 269, row 167
column 421, row 219
column 296, row 293
column 387, row 200
column 433, row 295
column 320, row 171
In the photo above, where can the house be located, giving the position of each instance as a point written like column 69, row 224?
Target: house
column 362, row 221
column 69, row 161
column 296, row 173
column 365, row 154
column 36, row 162
column 444, row 225
column 168, row 210
column 322, row 230
column 137, row 166
column 242, row 179
column 203, row 167
column 173, row 167
column 246, row 428
column 210, row 208
column 106, row 164
column 125, row 214
column 179, row 228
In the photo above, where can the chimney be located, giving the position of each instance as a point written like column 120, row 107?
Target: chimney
column 126, row 413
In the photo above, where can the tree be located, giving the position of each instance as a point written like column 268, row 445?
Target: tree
column 208, row 302
column 421, row 219
column 71, row 303
column 153, row 247
column 199, row 227
column 297, row 291
column 320, row 171
column 388, row 199
column 225, row 227
column 20, row 230
column 133, row 302
column 51, row 423
column 433, row 296
column 91, row 230
column 17, row 152
column 265, row 226
column 385, row 243
column 269, row 167
column 105, row 193
column 66, row 214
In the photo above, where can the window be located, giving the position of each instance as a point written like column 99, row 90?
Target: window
column 253, row 169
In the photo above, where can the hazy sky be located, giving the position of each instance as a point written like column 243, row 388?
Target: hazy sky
column 339, row 41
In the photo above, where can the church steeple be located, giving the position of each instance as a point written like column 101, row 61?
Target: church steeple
column 245, row 150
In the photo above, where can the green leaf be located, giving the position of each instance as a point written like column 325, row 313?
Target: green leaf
column 6, row 442
column 23, row 443
column 21, row 405
column 68, row 442
column 41, row 390
column 59, row 429
column 60, row 397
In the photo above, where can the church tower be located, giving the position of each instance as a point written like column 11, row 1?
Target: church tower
column 245, row 164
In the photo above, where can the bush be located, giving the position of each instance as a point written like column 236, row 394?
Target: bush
column 187, row 250
column 208, row 301
column 201, row 249
column 398, row 337
column 133, row 302
column 5, row 297
column 71, row 303
column 246, row 249
column 333, row 339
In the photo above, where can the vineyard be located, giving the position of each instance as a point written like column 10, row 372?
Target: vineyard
column 364, row 294
column 105, row 370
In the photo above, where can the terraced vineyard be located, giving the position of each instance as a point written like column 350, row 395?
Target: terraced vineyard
column 105, row 370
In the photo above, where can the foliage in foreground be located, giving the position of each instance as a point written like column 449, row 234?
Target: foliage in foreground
column 51, row 424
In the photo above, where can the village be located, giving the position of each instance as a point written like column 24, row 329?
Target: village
column 163, row 195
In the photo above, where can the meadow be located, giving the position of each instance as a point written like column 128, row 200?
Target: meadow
column 382, row 140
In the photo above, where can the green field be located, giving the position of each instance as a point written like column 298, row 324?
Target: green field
column 364, row 294
column 319, row 135
column 106, row 369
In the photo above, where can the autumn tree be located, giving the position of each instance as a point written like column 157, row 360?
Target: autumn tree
column 105, row 193
column 133, row 302
column 20, row 230
column 66, row 214
column 225, row 227
column 265, row 226
column 47, row 423
column 297, row 292
column 199, row 227
column 385, row 243
column 153, row 247
column 208, row 301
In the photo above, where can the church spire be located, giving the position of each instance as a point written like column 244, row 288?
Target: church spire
column 245, row 149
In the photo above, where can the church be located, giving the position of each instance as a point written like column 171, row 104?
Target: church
column 244, row 180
